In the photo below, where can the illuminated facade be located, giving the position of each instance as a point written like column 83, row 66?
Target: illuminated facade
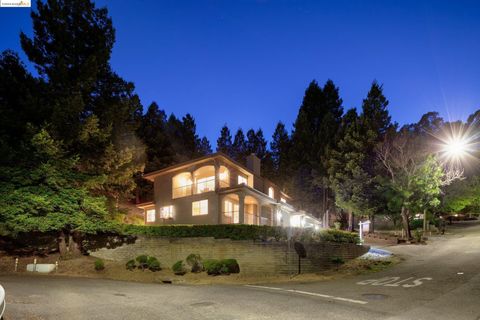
column 217, row 190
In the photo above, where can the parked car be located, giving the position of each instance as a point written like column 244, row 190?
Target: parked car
column 2, row 302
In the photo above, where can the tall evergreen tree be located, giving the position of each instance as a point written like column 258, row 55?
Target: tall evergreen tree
column 204, row 148
column 224, row 142
column 154, row 133
column 92, row 110
column 239, row 146
column 279, row 149
column 313, row 137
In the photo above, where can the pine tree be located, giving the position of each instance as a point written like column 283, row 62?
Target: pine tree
column 239, row 146
column 204, row 148
column 279, row 149
column 224, row 142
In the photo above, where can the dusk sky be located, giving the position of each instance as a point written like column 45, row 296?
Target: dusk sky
column 248, row 63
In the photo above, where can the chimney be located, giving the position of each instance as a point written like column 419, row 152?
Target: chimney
column 254, row 164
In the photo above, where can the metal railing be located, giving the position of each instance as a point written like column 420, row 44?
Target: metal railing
column 183, row 191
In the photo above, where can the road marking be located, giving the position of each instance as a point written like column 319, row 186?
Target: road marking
column 326, row 296
column 394, row 282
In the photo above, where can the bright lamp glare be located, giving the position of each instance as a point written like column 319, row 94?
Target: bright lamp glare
column 456, row 148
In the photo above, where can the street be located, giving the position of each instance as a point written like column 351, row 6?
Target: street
column 440, row 280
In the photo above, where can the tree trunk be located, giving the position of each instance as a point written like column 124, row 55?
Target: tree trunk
column 372, row 224
column 62, row 245
column 73, row 247
column 406, row 225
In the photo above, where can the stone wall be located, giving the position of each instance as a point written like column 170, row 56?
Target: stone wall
column 253, row 257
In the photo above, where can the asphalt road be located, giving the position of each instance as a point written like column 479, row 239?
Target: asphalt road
column 437, row 281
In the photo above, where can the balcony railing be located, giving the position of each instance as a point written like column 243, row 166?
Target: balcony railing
column 182, row 191
column 205, row 186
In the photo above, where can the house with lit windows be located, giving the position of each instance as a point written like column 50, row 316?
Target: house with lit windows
column 215, row 189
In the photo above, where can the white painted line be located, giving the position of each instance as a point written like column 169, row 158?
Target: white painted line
column 326, row 296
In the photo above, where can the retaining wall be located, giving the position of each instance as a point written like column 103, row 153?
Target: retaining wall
column 254, row 257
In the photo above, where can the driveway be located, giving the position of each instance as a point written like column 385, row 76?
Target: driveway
column 437, row 281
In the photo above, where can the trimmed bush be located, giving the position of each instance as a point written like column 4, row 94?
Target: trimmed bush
column 178, row 268
column 195, row 262
column 153, row 264
column 99, row 265
column 130, row 265
column 217, row 267
column 231, row 265
column 221, row 231
column 333, row 235
column 142, row 261
column 212, row 266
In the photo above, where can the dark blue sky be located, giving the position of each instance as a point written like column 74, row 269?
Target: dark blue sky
column 247, row 63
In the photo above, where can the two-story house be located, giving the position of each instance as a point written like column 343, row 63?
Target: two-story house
column 215, row 189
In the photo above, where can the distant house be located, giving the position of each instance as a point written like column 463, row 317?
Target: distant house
column 215, row 189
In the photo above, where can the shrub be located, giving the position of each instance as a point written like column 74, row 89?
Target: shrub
column 333, row 235
column 417, row 234
column 153, row 264
column 99, row 265
column 142, row 261
column 130, row 265
column 195, row 262
column 212, row 266
column 231, row 265
column 416, row 224
column 178, row 268
column 217, row 267
column 337, row 261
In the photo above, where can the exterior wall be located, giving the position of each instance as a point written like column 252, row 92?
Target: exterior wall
column 253, row 257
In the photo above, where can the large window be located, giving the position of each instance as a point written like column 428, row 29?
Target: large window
column 182, row 185
column 242, row 180
column 166, row 212
column 231, row 211
column 199, row 208
column 150, row 215
column 205, row 184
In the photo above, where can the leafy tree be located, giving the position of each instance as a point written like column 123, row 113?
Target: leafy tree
column 46, row 192
column 224, row 142
column 462, row 196
column 92, row 110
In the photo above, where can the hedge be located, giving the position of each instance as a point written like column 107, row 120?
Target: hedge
column 333, row 235
column 221, row 231
column 239, row 232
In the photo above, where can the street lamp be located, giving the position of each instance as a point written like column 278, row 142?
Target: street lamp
column 456, row 148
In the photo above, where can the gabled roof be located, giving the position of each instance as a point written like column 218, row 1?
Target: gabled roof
column 218, row 155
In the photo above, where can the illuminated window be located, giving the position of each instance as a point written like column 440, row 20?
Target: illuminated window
column 151, row 215
column 242, row 180
column 271, row 194
column 224, row 177
column 182, row 185
column 199, row 208
column 231, row 211
column 283, row 200
column 205, row 184
column 166, row 212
